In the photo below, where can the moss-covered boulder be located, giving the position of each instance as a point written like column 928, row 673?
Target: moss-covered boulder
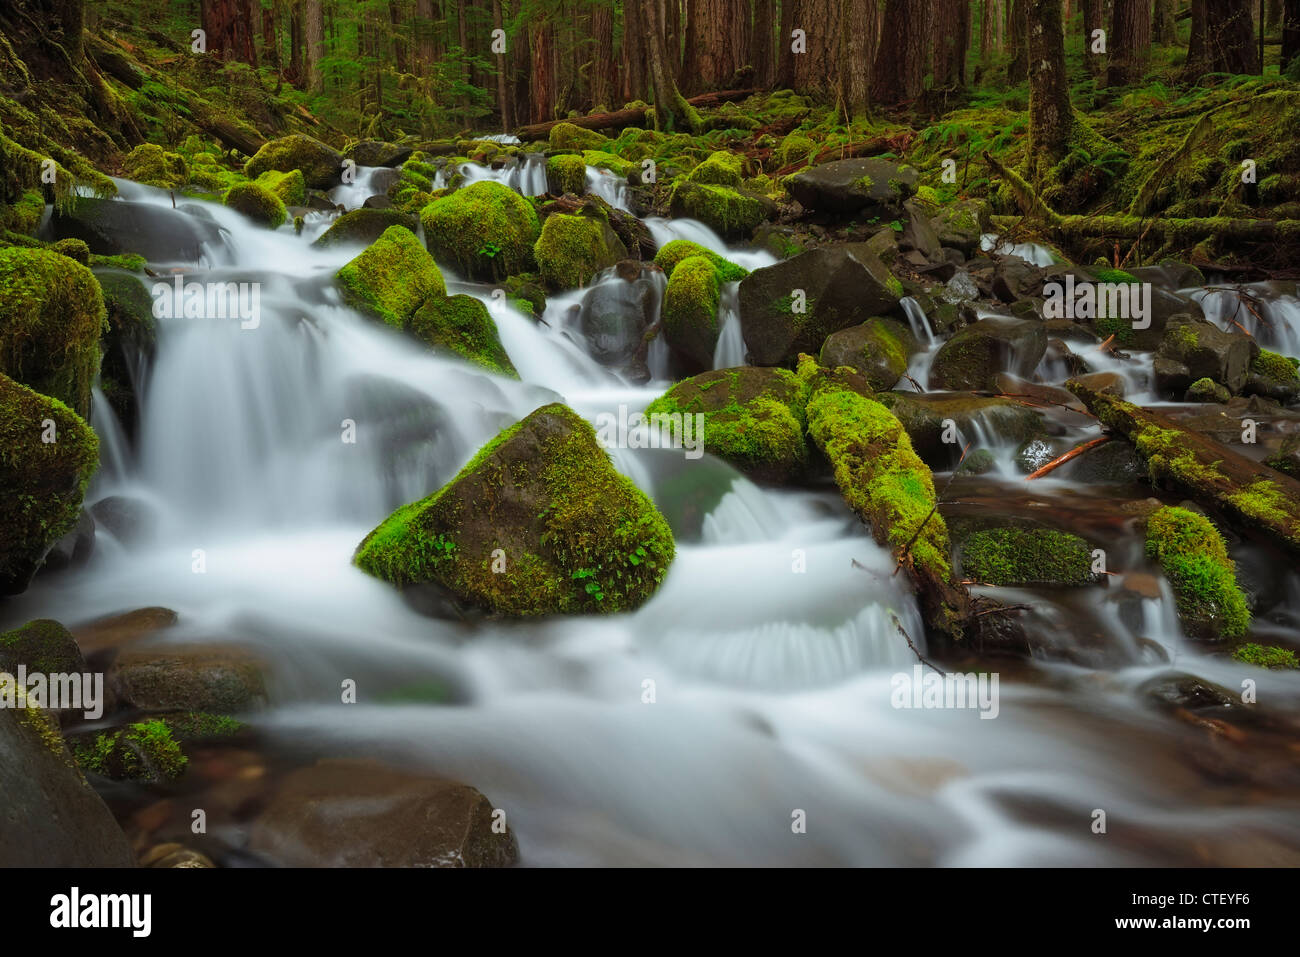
column 47, row 456
column 291, row 187
column 868, row 187
column 690, row 311
column 1273, row 375
column 213, row 678
column 365, row 226
column 150, row 164
column 257, row 203
column 322, row 167
column 566, row 173
column 486, row 230
column 675, row 250
column 51, row 316
column 960, row 224
column 790, row 308
column 1206, row 390
column 879, row 349
column 44, row 646
column 732, row 213
column 753, row 418
column 608, row 161
column 572, row 249
column 566, row 136
column 720, row 169
column 1195, row 560
column 538, row 522
column 392, row 278
column 1193, row 349
column 75, row 249
column 974, row 357
column 1024, row 555
column 462, row 324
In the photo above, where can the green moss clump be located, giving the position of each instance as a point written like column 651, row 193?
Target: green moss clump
column 1027, row 556
column 720, row 169
column 44, row 646
column 566, row 136
column 1207, row 390
column 1266, row 656
column 153, row 166
column 24, row 215
column 290, row 186
column 1195, row 560
column 74, row 249
column 127, row 261
column 392, row 278
column 1114, row 276
column 1274, row 366
column 753, row 418
column 730, row 213
column 321, row 166
column 144, row 750
column 602, row 160
column 51, row 317
column 690, row 309
column 572, row 249
column 463, row 325
column 796, row 147
column 194, row 726
column 675, row 250
column 538, row 522
column 486, row 229
column 257, row 203
column 566, row 174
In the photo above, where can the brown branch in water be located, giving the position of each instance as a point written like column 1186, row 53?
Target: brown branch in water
column 1060, row 460
column 908, row 638
column 1002, row 610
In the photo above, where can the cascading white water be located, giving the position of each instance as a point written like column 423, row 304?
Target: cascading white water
column 526, row 177
column 772, row 645
column 730, row 350
column 1035, row 253
column 1269, row 311
column 354, row 194
column 918, row 320
column 664, row 231
column 610, row 188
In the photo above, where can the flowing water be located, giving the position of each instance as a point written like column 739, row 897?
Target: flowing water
column 771, row 644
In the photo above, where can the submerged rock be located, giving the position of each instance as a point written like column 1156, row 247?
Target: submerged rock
column 753, row 418
column 925, row 417
column 213, row 678
column 538, row 522
column 389, row 818
column 791, row 307
column 44, row 481
column 616, row 319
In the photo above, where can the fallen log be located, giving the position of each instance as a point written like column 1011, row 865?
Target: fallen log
column 234, row 136
column 1248, row 493
column 1183, row 231
column 623, row 118
column 894, row 143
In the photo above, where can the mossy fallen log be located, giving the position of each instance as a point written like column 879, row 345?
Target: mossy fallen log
column 617, row 119
column 1182, row 232
column 1248, row 493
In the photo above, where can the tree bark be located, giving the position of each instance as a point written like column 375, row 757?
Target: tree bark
column 672, row 111
column 1018, row 29
column 634, row 52
column 618, row 119
column 952, row 24
column 815, row 71
column 1093, row 20
column 898, row 73
column 1162, row 22
column 761, row 44
column 785, row 56
column 1129, row 42
column 1050, row 117
column 859, row 27
column 1290, row 31
column 314, row 30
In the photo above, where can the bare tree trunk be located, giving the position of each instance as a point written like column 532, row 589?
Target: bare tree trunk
column 634, row 53
column 859, row 29
column 898, row 73
column 815, row 71
column 1129, row 42
column 602, row 58
column 1093, row 18
column 761, row 44
column 1018, row 28
column 314, row 29
column 1162, row 22
column 1050, row 117
column 785, row 56
column 672, row 111
column 1290, row 31
column 951, row 37
column 295, row 42
column 1222, row 39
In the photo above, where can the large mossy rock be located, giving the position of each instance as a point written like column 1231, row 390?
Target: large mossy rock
column 1192, row 350
column 720, row 169
column 573, row 249
column 543, row 504
column 676, row 250
column 290, row 187
column 566, row 173
column 258, row 203
column 394, row 819
column 392, row 278
column 364, row 226
column 322, row 166
column 690, row 310
column 1195, row 559
column 50, row 816
column 731, row 213
column 753, row 418
column 486, row 230
column 1273, row 375
column 835, row 286
column 879, row 349
column 379, row 153
column 129, row 342
column 463, row 325
column 872, row 187
column 47, row 456
column 973, row 358
column 51, row 317
column 1025, row 555
column 567, row 136
column 150, row 164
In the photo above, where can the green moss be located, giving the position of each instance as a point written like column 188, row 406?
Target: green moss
column 572, row 249
column 194, row 726
column 1207, row 390
column 257, row 203
column 1195, row 560
column 153, row 166
column 566, row 174
column 1272, row 365
column 321, row 166
column 44, row 646
column 720, row 169
column 144, row 750
column 566, row 136
column 1114, row 276
column 728, row 212
column 290, row 186
column 24, row 215
column 392, row 278
column 675, row 250
column 51, row 317
column 753, row 418
column 576, row 535
column 364, row 226
column 463, row 325
column 608, row 161
column 690, row 308
column 796, row 147
column 128, row 261
column 1262, row 500
column 1266, row 656
column 74, row 249
column 1027, row 556
column 486, row 229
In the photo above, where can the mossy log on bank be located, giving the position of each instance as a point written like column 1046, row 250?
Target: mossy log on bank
column 617, row 119
column 1182, row 231
column 1247, row 492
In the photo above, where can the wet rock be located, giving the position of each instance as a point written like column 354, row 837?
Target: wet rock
column 1014, row 279
column 1287, row 458
column 174, row 855
column 50, row 816
column 1179, row 690
column 157, row 233
column 1012, row 385
column 359, row 813
column 874, row 187
column 960, row 224
column 615, row 318
column 919, row 235
column 129, row 520
column 379, row 153
column 129, row 344
column 879, row 349
column 841, row 286
column 1273, row 376
column 215, row 678
column 322, row 166
column 1107, row 383
column 364, row 226
column 731, row 213
column 1059, row 357
column 974, row 357
column 116, row 631
column 926, row 418
column 1115, row 462
column 1207, row 390
column 75, row 548
column 978, row 462
column 1034, row 454
column 1193, row 349
column 1169, row 275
